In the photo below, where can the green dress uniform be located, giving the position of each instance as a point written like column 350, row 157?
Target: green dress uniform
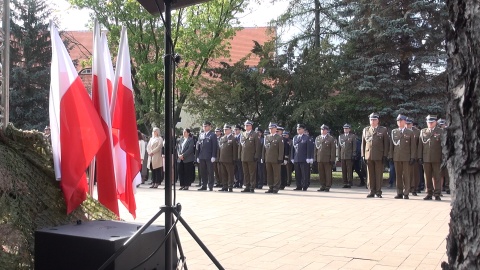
column 228, row 155
column 402, row 151
column 347, row 147
column 273, row 150
column 430, row 153
column 325, row 155
column 375, row 146
column 249, row 152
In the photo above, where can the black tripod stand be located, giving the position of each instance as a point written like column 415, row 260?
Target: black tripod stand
column 155, row 7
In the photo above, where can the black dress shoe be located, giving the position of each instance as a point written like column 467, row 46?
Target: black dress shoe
column 230, row 189
column 211, row 189
column 437, row 198
column 298, row 188
column 202, row 188
column 361, row 184
column 252, row 190
column 269, row 191
column 398, row 197
column 448, row 191
column 428, row 198
column 371, row 195
column 414, row 193
column 246, row 190
column 345, row 186
column 282, row 188
column 327, row 190
column 379, row 196
column 304, row 189
column 405, row 197
column 321, row 189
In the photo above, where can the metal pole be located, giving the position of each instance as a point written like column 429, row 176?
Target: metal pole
column 169, row 131
column 6, row 63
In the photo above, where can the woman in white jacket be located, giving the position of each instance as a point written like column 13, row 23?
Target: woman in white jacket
column 155, row 159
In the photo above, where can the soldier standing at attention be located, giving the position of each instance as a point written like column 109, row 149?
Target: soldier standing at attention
column 325, row 150
column 402, row 151
column 430, row 156
column 206, row 154
column 250, row 152
column 216, row 165
column 347, row 148
column 375, row 143
column 238, row 171
column 273, row 157
column 444, row 173
column 228, row 154
column 301, row 157
column 415, row 168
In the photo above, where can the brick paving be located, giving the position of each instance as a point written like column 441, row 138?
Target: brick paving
column 307, row 229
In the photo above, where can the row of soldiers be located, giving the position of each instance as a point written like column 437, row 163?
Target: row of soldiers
column 409, row 148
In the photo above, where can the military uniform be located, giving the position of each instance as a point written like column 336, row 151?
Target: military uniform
column 402, row 151
column 325, row 155
column 444, row 172
column 430, row 154
column 347, row 148
column 250, row 152
column 228, row 155
column 272, row 155
column 415, row 167
column 216, row 164
column 238, row 170
column 375, row 143
column 206, row 153
column 301, row 156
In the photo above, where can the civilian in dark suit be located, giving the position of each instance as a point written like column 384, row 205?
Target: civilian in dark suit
column 185, row 159
column 301, row 157
column 207, row 154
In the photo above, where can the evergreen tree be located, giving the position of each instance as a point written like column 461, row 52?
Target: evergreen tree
column 30, row 64
column 394, row 57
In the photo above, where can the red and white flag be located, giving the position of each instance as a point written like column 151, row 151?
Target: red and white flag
column 76, row 129
column 105, row 172
column 124, row 128
column 107, row 61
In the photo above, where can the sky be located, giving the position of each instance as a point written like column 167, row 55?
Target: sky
column 258, row 15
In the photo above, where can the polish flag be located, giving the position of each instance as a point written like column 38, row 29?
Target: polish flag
column 106, row 184
column 107, row 62
column 124, row 128
column 76, row 129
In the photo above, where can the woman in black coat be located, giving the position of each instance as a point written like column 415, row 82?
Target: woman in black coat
column 185, row 159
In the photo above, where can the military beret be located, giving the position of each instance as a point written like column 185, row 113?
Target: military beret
column 409, row 120
column 324, row 127
column 218, row 130
column 401, row 117
column 347, row 126
column 207, row 123
column 272, row 125
column 280, row 128
column 431, row 118
column 373, row 116
column 248, row 122
column 300, row 126
column 226, row 126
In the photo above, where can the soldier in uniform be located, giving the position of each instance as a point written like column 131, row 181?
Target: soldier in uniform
column 444, row 172
column 374, row 151
column 286, row 169
column 325, row 155
column 402, row 151
column 261, row 174
column 415, row 168
column 429, row 154
column 347, row 148
column 228, row 155
column 238, row 170
column 250, row 152
column 216, row 165
column 206, row 152
column 301, row 157
column 272, row 156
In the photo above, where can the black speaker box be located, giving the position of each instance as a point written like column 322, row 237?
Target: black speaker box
column 90, row 244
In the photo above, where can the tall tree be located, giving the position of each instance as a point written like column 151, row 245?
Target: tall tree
column 30, row 64
column 462, row 149
column 394, row 56
column 198, row 35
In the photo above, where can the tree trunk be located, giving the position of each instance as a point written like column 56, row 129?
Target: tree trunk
column 462, row 145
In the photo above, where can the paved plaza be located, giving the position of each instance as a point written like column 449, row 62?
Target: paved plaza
column 291, row 230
